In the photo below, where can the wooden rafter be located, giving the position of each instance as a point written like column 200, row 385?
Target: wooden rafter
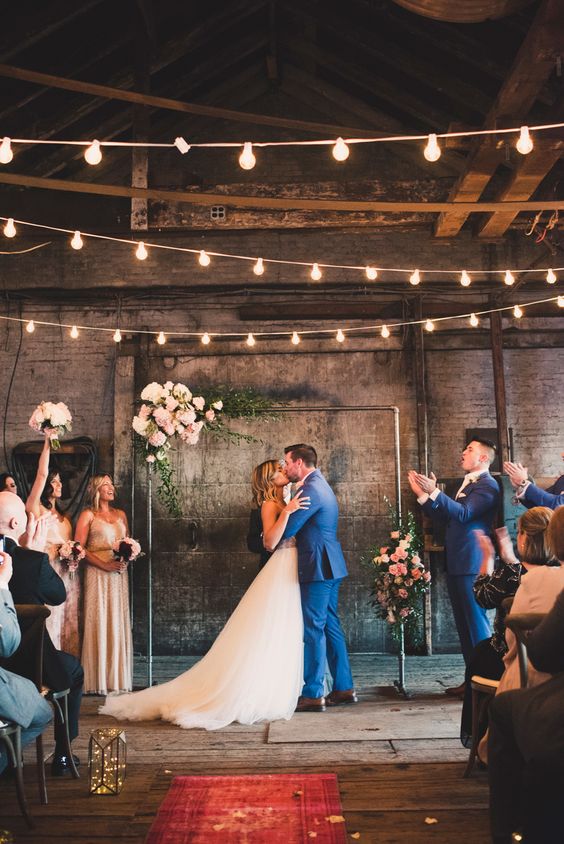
column 48, row 18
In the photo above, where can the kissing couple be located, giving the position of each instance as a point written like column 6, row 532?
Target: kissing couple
column 269, row 660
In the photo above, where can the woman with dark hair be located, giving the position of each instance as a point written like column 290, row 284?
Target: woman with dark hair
column 7, row 483
column 63, row 624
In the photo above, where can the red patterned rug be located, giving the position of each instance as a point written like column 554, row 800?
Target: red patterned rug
column 288, row 808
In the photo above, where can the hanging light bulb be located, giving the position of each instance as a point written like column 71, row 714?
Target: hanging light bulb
column 385, row 332
column 117, row 336
column 525, row 143
column 295, row 338
column 465, row 279
column 429, row 326
column 551, row 277
column 181, row 145
column 432, row 151
column 560, row 301
column 141, row 251
column 76, row 241
column 508, row 278
column 247, row 159
column 315, row 272
column 340, row 150
column 161, row 339
column 93, row 153
column 258, row 268
column 517, row 312
column 474, row 321
column 203, row 258
column 250, row 340
column 340, row 337
column 30, row 327
column 415, row 278
column 9, row 228
column 206, row 339
column 74, row 332
column 6, row 153
column 371, row 273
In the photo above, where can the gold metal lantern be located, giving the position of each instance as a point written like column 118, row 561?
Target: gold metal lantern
column 107, row 759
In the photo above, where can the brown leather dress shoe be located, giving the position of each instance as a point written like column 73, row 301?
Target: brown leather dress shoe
column 311, row 704
column 337, row 698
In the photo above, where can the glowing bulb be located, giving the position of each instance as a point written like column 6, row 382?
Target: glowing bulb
column 432, row 151
column 429, row 326
column 415, row 278
column 340, row 337
column 371, row 273
column 204, row 259
column 93, row 154
column 6, row 153
column 9, row 228
column 474, row 321
column 206, row 339
column 250, row 340
column 76, row 241
column 525, row 143
column 508, row 279
column 385, row 331
column 258, row 268
column 295, row 338
column 517, row 312
column 315, row 272
column 74, row 332
column 465, row 279
column 560, row 301
column 117, row 336
column 247, row 159
column 30, row 327
column 181, row 145
column 551, row 277
column 141, row 252
column 340, row 150
column 161, row 339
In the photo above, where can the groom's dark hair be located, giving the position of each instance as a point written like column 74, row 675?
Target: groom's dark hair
column 306, row 452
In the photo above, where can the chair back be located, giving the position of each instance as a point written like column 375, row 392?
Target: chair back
column 521, row 624
column 31, row 618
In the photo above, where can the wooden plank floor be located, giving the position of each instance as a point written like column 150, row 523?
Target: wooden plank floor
column 387, row 790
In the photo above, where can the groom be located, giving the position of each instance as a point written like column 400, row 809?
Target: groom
column 321, row 568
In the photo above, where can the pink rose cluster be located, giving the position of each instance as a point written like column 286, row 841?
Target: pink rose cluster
column 401, row 578
column 170, row 410
column 52, row 418
column 71, row 553
column 127, row 549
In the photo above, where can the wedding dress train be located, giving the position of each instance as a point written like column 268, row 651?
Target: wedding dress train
column 253, row 671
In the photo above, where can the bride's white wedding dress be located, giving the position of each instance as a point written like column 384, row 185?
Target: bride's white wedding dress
column 253, row 671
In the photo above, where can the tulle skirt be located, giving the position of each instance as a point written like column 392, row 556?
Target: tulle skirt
column 253, row 671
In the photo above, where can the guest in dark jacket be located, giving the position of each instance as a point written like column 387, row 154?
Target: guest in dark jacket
column 35, row 582
column 526, row 741
column 531, row 495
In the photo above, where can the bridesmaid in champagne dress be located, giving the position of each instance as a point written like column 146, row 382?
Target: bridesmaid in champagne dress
column 107, row 653
column 63, row 624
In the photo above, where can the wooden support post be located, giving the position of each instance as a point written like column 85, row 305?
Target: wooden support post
column 496, row 334
column 124, row 399
column 140, row 155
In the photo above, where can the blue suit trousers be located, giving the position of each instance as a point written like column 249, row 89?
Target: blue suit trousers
column 324, row 640
column 470, row 618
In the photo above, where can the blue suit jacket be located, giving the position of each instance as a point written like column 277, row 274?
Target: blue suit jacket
column 476, row 510
column 315, row 530
column 552, row 497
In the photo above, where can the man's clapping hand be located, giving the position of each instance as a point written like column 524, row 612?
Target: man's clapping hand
column 5, row 569
column 421, row 484
column 35, row 536
column 518, row 474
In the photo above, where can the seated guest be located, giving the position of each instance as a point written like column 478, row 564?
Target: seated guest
column 531, row 495
column 526, row 746
column 492, row 587
column 20, row 701
column 35, row 582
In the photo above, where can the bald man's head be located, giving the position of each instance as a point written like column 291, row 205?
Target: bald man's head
column 13, row 518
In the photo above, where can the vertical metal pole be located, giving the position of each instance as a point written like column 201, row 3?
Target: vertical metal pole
column 149, row 576
column 397, row 459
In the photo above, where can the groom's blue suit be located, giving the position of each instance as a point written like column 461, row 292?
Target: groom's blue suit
column 321, row 567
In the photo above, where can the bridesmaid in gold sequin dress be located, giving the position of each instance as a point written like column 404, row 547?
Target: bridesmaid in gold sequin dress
column 107, row 647
column 63, row 625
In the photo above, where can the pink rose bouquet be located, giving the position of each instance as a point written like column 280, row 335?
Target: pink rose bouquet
column 52, row 419
column 127, row 549
column 71, row 553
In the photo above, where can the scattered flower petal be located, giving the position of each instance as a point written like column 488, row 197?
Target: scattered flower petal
column 335, row 819
column 312, row 834
column 238, row 814
column 218, row 826
column 431, row 820
column 355, row 835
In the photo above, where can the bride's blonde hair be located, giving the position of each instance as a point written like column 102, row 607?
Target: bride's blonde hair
column 93, row 491
column 263, row 488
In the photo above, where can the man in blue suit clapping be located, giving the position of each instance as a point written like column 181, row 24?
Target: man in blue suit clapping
column 321, row 568
column 473, row 508
column 531, row 495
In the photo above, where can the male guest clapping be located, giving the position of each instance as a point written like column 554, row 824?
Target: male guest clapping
column 473, row 508
column 531, row 495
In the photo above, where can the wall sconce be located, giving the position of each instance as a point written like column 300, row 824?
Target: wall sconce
column 107, row 760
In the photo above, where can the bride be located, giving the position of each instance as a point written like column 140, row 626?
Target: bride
column 254, row 670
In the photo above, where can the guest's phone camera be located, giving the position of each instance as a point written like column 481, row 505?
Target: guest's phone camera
column 1, row 547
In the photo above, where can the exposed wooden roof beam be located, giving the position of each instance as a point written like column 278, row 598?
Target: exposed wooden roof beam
column 532, row 66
